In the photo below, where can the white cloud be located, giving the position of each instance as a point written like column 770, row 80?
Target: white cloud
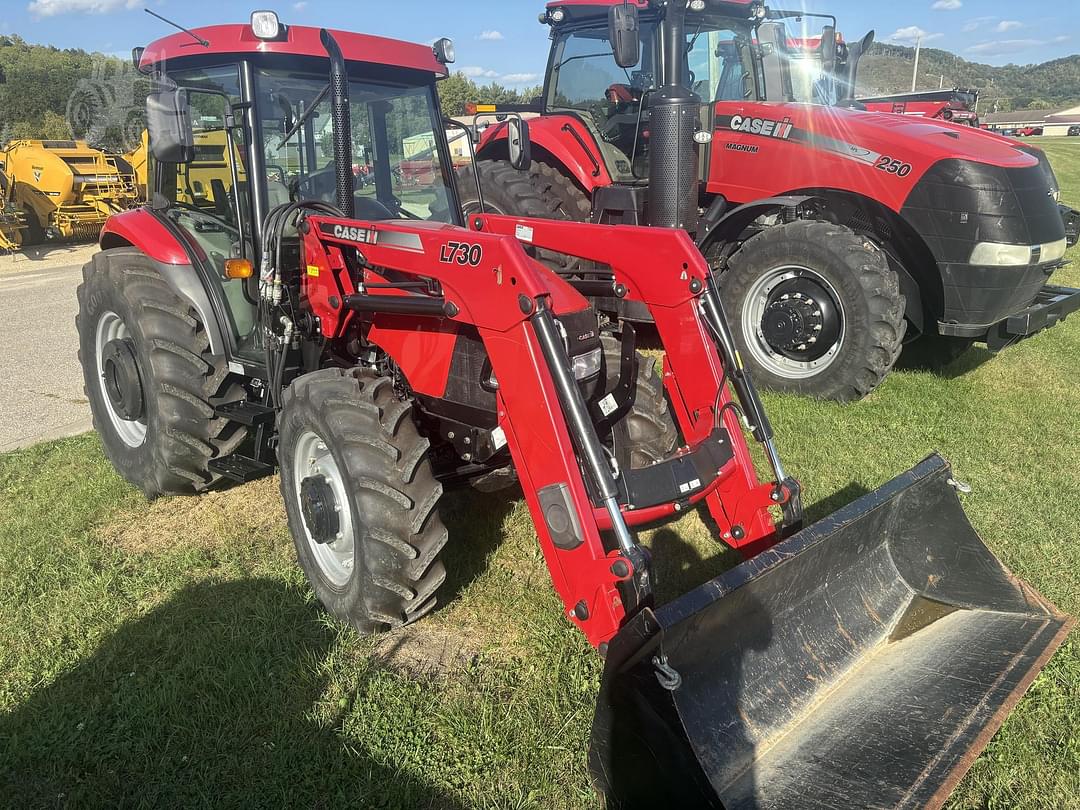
column 300, row 6
column 1008, row 25
column 1001, row 47
column 52, row 8
column 474, row 72
column 911, row 34
column 975, row 23
column 492, row 36
column 521, row 78
column 947, row 5
column 1059, row 39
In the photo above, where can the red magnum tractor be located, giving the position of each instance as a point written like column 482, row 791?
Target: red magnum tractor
column 837, row 235
column 377, row 349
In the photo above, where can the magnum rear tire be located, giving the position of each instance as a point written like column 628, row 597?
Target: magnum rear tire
column 361, row 500
column 815, row 310
column 150, row 377
column 542, row 192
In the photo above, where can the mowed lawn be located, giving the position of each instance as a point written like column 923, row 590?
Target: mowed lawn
column 171, row 654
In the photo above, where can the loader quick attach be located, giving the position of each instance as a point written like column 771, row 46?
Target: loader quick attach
column 377, row 347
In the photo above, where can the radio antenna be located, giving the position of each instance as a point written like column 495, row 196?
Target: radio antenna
column 192, row 34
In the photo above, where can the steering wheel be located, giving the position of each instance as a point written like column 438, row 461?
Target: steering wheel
column 322, row 185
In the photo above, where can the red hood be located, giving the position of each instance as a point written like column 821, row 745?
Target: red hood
column 921, row 141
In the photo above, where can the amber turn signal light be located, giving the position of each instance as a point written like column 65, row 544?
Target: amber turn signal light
column 238, row 268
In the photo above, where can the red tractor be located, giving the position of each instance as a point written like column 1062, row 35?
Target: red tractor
column 377, row 348
column 837, row 235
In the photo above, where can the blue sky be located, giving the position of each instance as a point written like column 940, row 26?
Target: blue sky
column 502, row 41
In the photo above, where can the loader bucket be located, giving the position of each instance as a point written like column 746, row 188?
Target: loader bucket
column 863, row 662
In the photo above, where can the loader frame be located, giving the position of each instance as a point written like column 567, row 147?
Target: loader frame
column 512, row 301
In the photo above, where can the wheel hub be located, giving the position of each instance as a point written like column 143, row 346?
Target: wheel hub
column 320, row 509
column 800, row 321
column 120, row 374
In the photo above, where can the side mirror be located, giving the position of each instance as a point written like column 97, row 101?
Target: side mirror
column 828, row 49
column 518, row 143
column 624, row 32
column 168, row 121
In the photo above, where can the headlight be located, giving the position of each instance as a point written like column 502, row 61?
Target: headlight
column 996, row 254
column 1053, row 251
column 265, row 25
column 587, row 365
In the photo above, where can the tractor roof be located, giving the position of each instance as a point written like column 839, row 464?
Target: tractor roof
column 298, row 40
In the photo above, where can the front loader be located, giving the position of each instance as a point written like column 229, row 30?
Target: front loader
column 377, row 348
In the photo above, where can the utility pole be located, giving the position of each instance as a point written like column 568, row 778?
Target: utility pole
column 915, row 72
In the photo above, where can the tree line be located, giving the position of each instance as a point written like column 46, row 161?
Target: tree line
column 54, row 93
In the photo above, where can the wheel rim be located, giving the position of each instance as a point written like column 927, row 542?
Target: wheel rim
column 111, row 328
column 793, row 322
column 311, row 461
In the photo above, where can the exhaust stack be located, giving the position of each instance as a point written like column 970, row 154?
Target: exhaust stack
column 673, row 119
column 342, row 120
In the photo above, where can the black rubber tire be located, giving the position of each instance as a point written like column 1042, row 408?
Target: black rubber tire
column 384, row 463
column 564, row 195
column 33, row 233
column 647, row 433
column 860, row 274
column 179, row 377
column 934, row 352
column 537, row 193
column 541, row 191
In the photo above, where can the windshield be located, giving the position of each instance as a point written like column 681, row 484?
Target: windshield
column 398, row 169
column 613, row 101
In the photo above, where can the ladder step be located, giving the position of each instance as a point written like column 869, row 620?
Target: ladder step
column 246, row 412
column 240, row 468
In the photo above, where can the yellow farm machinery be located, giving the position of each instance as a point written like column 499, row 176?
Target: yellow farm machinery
column 64, row 190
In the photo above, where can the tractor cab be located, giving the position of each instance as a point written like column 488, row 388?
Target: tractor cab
column 244, row 125
column 732, row 51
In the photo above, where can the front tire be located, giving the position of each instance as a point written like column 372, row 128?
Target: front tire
column 361, row 499
column 150, row 377
column 816, row 310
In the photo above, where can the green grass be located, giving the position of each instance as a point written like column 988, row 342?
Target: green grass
column 171, row 653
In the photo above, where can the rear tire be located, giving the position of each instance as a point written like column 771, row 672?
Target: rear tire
column 646, row 434
column 166, row 450
column 539, row 193
column 378, row 566
column 849, row 296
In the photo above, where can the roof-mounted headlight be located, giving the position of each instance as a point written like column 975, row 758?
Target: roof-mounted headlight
column 266, row 25
column 444, row 51
column 552, row 16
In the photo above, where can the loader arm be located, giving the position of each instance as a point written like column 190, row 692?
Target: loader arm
column 485, row 279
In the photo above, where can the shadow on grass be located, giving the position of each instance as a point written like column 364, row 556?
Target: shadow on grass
column 830, row 503
column 967, row 362
column 208, row 700
column 678, row 567
column 476, row 522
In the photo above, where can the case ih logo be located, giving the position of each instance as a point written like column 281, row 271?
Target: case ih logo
column 762, row 126
column 362, row 235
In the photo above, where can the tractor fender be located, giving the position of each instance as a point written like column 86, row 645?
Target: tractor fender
column 565, row 138
column 142, row 232
column 732, row 224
